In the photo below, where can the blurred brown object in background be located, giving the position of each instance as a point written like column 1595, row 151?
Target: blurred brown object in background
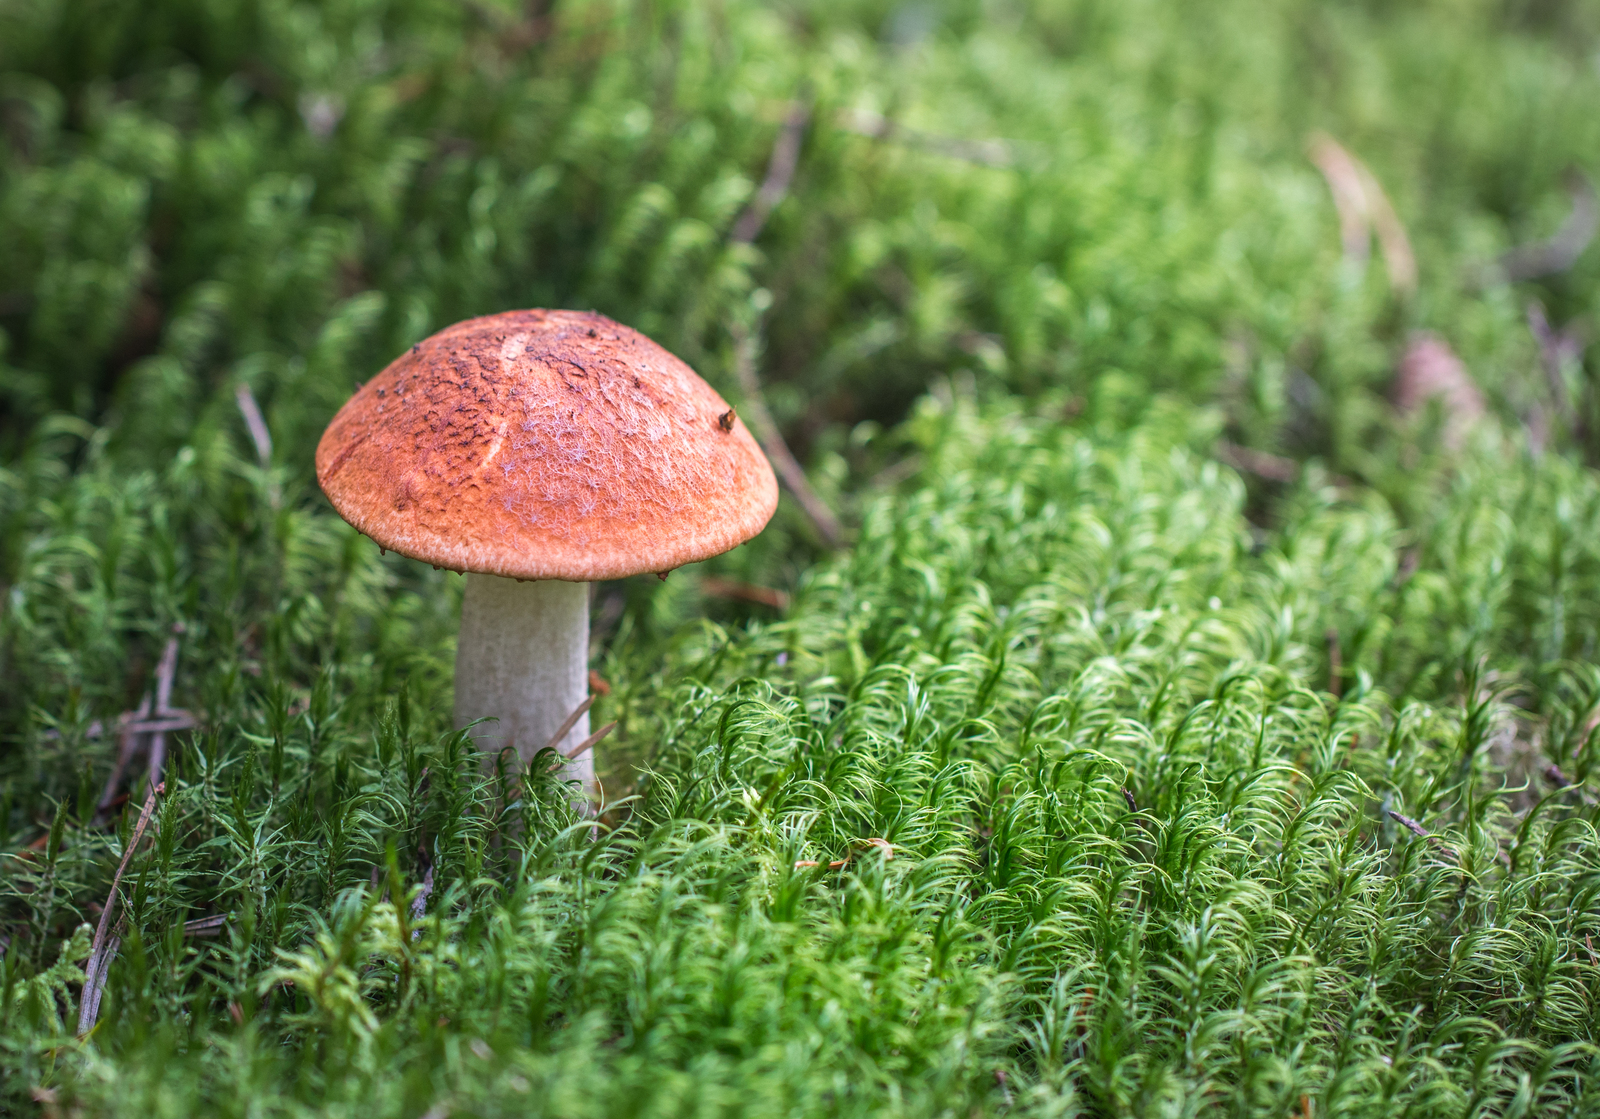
column 1430, row 369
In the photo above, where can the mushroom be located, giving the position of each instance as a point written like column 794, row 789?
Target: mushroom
column 536, row 451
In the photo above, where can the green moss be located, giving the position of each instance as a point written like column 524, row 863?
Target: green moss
column 1149, row 742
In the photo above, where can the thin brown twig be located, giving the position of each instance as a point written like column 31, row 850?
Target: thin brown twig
column 1410, row 825
column 126, row 745
column 1559, row 251
column 790, row 472
column 1398, row 258
column 896, row 472
column 1349, row 200
column 1274, row 468
column 419, row 904
column 254, row 422
column 136, row 722
column 143, row 721
column 589, row 743
column 206, row 926
column 165, row 673
column 172, row 719
column 774, row 187
column 881, row 844
column 1364, row 209
column 566, row 727
column 1419, row 831
column 104, row 947
column 780, row 172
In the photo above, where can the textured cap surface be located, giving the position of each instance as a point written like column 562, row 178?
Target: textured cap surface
column 545, row 445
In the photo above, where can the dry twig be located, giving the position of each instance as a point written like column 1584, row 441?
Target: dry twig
column 780, row 172
column 127, row 743
column 1559, row 251
column 419, row 904
column 165, row 672
column 205, row 926
column 143, row 721
column 104, row 947
column 566, row 727
column 1263, row 464
column 137, row 721
column 1364, row 209
column 790, row 472
column 254, row 422
column 1430, row 369
column 881, row 844
column 896, row 472
column 589, row 743
column 1419, row 831
column 1410, row 825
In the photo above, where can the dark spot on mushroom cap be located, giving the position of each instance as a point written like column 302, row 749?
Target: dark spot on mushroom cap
column 725, row 421
column 591, row 332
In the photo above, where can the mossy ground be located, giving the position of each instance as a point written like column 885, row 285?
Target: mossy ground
column 1123, row 755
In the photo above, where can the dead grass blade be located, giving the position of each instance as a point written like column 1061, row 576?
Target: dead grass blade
column 255, row 423
column 166, row 671
column 789, row 470
column 1263, row 464
column 1429, row 369
column 142, row 721
column 1364, row 209
column 588, row 743
column 104, row 947
column 1559, row 251
column 780, row 172
column 566, row 727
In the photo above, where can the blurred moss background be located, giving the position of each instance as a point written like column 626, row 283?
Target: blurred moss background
column 288, row 195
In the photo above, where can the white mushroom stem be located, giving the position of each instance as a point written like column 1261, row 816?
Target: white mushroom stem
column 522, row 659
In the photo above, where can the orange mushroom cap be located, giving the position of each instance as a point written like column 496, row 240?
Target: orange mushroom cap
column 545, row 445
